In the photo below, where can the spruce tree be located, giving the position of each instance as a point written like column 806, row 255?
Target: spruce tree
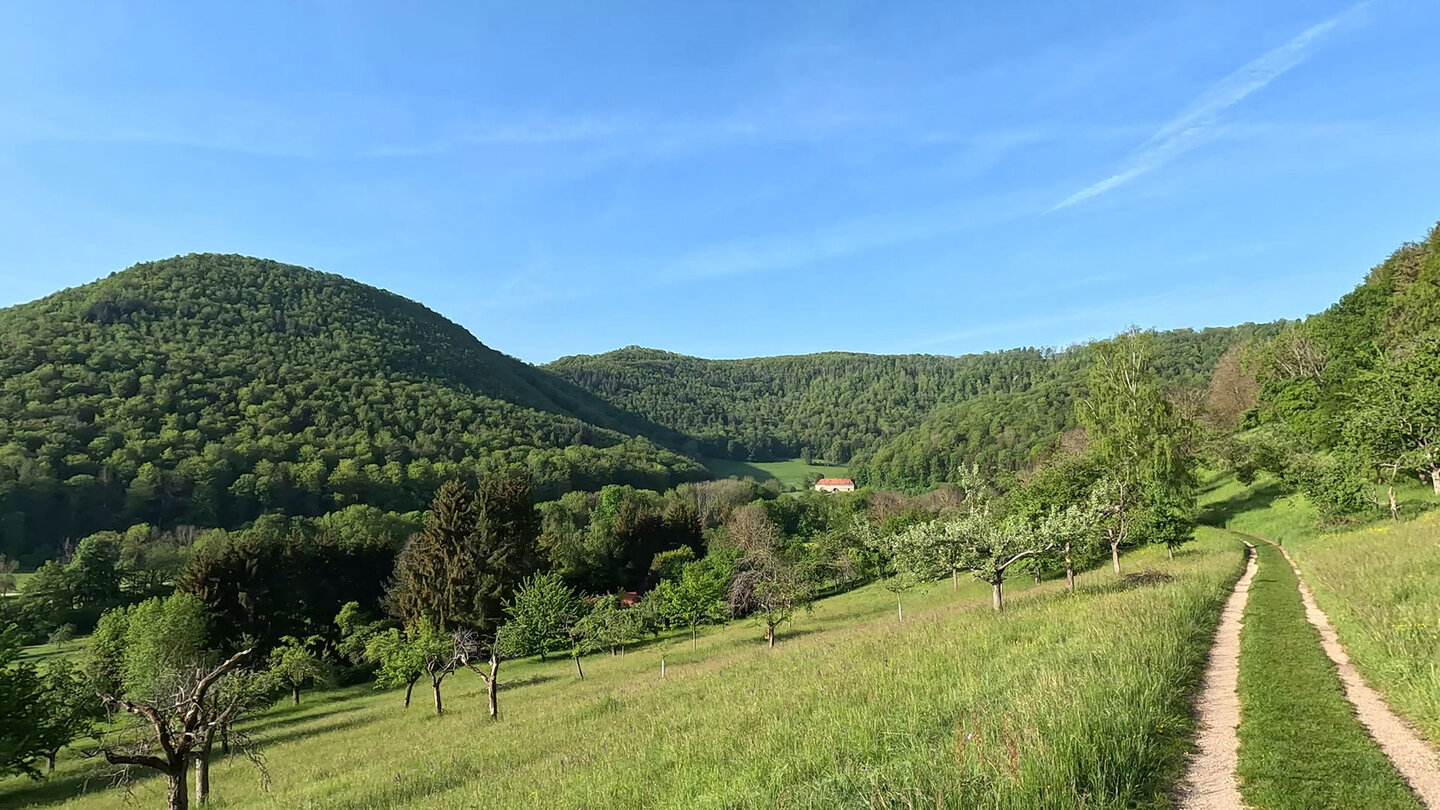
column 435, row 572
column 505, row 546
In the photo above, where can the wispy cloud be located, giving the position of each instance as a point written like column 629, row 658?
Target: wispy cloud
column 843, row 239
column 1197, row 121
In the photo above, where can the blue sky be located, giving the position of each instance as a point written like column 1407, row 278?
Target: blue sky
column 734, row 178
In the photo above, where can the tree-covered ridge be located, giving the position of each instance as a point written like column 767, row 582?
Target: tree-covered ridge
column 208, row 389
column 1015, row 431
column 902, row 420
column 1311, row 374
column 829, row 405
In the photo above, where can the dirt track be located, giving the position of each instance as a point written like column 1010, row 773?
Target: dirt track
column 1210, row 779
column 1413, row 757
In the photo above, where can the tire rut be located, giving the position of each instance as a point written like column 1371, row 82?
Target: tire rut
column 1209, row 782
column 1416, row 761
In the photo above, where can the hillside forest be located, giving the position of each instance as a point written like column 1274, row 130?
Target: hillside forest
column 185, row 444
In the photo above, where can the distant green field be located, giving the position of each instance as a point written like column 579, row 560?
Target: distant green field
column 43, row 654
column 19, row 580
column 791, row 474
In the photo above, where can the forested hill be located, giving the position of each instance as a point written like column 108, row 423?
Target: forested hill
column 207, row 389
column 1006, row 408
column 828, row 405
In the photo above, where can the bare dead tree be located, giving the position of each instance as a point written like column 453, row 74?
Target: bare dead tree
column 182, row 728
column 772, row 589
column 471, row 648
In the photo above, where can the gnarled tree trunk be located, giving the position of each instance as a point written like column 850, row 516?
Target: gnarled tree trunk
column 409, row 687
column 492, row 685
column 439, row 707
column 177, row 796
column 1069, row 570
column 997, row 600
column 202, row 767
column 202, row 778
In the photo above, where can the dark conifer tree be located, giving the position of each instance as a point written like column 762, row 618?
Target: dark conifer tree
column 435, row 572
column 505, row 545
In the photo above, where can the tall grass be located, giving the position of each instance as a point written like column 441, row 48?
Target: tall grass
column 1060, row 702
column 1381, row 588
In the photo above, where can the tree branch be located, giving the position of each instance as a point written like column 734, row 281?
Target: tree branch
column 1022, row 555
column 136, row 759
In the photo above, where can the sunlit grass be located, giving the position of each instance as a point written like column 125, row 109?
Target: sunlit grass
column 1060, row 702
column 1381, row 588
column 1379, row 582
column 790, row 473
column 1301, row 746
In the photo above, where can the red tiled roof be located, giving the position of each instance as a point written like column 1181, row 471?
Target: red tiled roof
column 836, row 481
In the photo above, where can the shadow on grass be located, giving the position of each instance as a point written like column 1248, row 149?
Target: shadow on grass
column 265, row 741
column 534, row 679
column 262, row 726
column 53, row 789
column 1144, row 578
column 286, row 713
column 93, row 776
column 1260, row 497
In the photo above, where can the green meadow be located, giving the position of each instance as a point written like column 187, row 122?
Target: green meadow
column 790, row 473
column 1062, row 696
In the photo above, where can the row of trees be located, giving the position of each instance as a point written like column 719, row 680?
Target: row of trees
column 1133, row 483
column 254, row 581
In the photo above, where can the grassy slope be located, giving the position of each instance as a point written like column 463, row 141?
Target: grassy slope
column 43, row 654
column 790, row 474
column 1378, row 582
column 1061, row 697
column 1301, row 746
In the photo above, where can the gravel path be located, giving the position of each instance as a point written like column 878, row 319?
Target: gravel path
column 1413, row 757
column 1210, row 779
